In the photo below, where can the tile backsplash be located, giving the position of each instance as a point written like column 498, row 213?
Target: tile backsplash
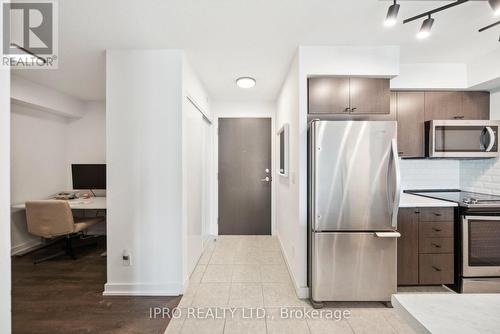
column 430, row 174
column 481, row 176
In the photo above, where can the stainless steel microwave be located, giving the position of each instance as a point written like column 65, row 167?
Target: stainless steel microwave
column 462, row 138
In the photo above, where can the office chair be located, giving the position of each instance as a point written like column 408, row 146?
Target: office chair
column 53, row 219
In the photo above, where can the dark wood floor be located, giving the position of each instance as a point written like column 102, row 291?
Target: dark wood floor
column 65, row 296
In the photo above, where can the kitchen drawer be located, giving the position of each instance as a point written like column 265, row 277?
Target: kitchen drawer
column 435, row 245
column 436, row 214
column 435, row 229
column 436, row 269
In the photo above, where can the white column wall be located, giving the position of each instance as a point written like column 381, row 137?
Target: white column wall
column 144, row 157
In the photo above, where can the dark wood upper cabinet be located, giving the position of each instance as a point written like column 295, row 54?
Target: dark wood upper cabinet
column 410, row 116
column 443, row 105
column 369, row 96
column 339, row 95
column 476, row 105
column 328, row 95
column 408, row 246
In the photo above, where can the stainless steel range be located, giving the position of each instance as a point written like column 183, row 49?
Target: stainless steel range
column 477, row 234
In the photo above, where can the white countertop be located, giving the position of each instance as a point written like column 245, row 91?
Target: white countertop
column 414, row 201
column 450, row 313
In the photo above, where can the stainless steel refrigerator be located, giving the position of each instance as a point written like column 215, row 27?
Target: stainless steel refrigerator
column 354, row 190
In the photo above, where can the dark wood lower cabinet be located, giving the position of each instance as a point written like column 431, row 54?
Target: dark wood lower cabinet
column 408, row 247
column 425, row 248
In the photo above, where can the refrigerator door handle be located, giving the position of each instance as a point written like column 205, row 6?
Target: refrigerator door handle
column 397, row 191
column 387, row 234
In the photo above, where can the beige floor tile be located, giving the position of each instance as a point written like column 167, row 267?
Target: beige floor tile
column 246, row 273
column 222, row 257
column 198, row 272
column 281, row 295
column 246, row 257
column 270, row 257
column 175, row 324
column 330, row 326
column 247, row 295
column 371, row 321
column 398, row 323
column 218, row 273
column 211, row 295
column 205, row 257
column 277, row 324
column 203, row 326
column 188, row 296
column 272, row 273
column 245, row 322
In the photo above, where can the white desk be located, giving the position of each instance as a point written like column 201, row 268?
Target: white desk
column 93, row 203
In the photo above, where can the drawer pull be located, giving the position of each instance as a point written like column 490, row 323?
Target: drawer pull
column 436, row 268
column 436, row 245
column 437, row 214
column 435, row 229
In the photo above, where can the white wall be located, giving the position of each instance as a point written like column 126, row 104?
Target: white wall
column 146, row 95
column 38, row 164
column 237, row 109
column 431, row 76
column 289, row 227
column 86, row 137
column 5, row 278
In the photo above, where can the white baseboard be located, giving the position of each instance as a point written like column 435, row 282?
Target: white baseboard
column 139, row 289
column 301, row 291
column 25, row 246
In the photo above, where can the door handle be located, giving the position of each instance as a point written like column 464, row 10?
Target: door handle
column 387, row 234
column 266, row 179
column 491, row 134
column 393, row 195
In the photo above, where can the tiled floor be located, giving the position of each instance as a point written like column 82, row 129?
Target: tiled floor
column 248, row 273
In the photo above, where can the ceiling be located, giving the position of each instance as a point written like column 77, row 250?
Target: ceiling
column 225, row 39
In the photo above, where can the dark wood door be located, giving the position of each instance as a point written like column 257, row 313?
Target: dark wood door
column 369, row 96
column 244, row 165
column 443, row 105
column 411, row 115
column 408, row 246
column 328, row 95
column 476, row 105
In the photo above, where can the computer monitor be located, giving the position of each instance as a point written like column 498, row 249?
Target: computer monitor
column 89, row 176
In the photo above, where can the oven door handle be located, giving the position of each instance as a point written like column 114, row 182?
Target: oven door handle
column 491, row 134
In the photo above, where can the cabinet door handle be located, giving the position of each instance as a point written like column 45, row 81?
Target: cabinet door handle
column 352, row 109
column 436, row 245
column 437, row 214
column 458, row 117
column 436, row 268
column 347, row 109
column 436, row 229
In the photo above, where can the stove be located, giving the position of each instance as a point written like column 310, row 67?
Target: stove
column 464, row 199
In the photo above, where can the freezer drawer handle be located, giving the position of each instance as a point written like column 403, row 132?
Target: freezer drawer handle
column 387, row 234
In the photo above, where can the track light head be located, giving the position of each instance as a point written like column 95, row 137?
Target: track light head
column 495, row 6
column 392, row 15
column 425, row 29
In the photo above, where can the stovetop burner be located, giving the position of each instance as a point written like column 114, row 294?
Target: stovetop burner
column 463, row 198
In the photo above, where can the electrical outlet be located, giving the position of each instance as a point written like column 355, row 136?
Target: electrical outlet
column 126, row 258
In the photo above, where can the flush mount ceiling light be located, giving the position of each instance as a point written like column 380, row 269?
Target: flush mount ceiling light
column 245, row 82
column 495, row 6
column 392, row 15
column 425, row 29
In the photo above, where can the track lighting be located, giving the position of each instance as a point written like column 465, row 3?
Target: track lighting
column 425, row 29
column 495, row 6
column 392, row 15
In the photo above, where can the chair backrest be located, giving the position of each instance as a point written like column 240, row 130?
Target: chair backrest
column 49, row 218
